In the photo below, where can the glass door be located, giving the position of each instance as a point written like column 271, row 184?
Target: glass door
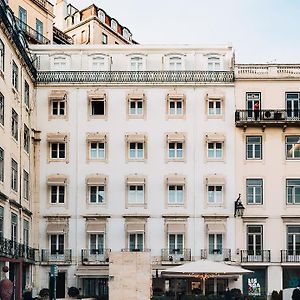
column 292, row 105
column 254, row 243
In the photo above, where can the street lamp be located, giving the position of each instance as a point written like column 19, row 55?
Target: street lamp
column 238, row 207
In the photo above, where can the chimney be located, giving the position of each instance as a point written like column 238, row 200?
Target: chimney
column 60, row 11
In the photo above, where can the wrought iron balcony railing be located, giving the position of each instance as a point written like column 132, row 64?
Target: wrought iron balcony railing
column 262, row 256
column 58, row 257
column 95, row 256
column 292, row 256
column 135, row 76
column 176, row 255
column 12, row 249
column 217, row 254
column 31, row 33
column 267, row 117
column 60, row 37
column 135, row 250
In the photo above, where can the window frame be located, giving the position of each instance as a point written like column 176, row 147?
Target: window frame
column 176, row 150
column 104, row 39
column 59, row 108
column 2, row 109
column 58, row 151
column 98, row 158
column 214, row 113
column 136, row 236
column 14, row 176
column 293, row 147
column 101, row 193
column 26, row 186
column 14, row 124
column 2, row 57
column 215, row 150
column 212, row 61
column 136, row 150
column 294, row 187
column 253, row 147
column 215, row 195
column 26, row 94
column 15, row 76
column 90, row 108
column 56, row 193
column 178, row 189
column 261, row 186
column 57, row 245
column 136, row 195
column 26, row 139
column 2, row 166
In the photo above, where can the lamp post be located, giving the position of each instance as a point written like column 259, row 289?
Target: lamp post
column 238, row 207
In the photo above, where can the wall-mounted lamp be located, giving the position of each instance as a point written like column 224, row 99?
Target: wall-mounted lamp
column 238, row 207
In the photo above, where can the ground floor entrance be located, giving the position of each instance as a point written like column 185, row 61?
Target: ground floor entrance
column 95, row 288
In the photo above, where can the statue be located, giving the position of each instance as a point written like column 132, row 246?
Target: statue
column 6, row 286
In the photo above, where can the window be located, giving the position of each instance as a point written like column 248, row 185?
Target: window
column 136, row 150
column 98, row 107
column 101, row 16
column 293, row 240
column 215, row 243
column 97, row 150
column 26, row 138
column 23, row 17
column 253, row 147
column 215, row 194
column 57, row 244
column 26, row 232
column 39, row 30
column 293, row 105
column 175, row 64
column 14, row 175
column 175, row 107
column 98, row 63
column 97, row 194
column 25, row 185
column 113, row 25
column 58, row 107
column 136, row 107
column 60, row 63
column 1, row 109
column 214, row 107
column 104, row 39
column 136, row 242
column 136, row 194
column 175, row 150
column 254, row 191
column 14, row 125
column 175, row 242
column 15, row 75
column 214, row 150
column 292, row 144
column 126, row 34
column 137, row 64
column 14, row 227
column 57, row 194
column 83, row 37
column 214, row 64
column 2, row 57
column 176, row 194
column 97, row 243
column 254, row 240
column 1, row 164
column 252, row 101
column 26, row 94
column 1, row 221
column 57, row 150
column 293, row 191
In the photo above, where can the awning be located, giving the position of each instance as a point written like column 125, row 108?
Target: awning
column 216, row 227
column 176, row 228
column 135, row 227
column 175, row 179
column 136, row 96
column 92, row 271
column 135, row 179
column 95, row 136
column 58, row 95
column 56, row 228
column 215, row 180
column 96, row 179
column 96, row 95
column 175, row 137
column 135, row 138
column 215, row 137
column 57, row 179
column 95, row 227
column 56, row 137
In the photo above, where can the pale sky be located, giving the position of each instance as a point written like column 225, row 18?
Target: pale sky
column 260, row 30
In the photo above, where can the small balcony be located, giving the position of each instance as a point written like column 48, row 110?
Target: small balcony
column 63, row 257
column 216, row 255
column 290, row 256
column 262, row 256
column 175, row 256
column 267, row 117
column 95, row 256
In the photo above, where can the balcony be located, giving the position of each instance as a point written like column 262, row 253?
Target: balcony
column 263, row 256
column 135, row 250
column 95, row 256
column 290, row 256
column 267, row 117
column 217, row 255
column 59, row 37
column 32, row 35
column 63, row 257
column 12, row 249
column 175, row 256
column 143, row 77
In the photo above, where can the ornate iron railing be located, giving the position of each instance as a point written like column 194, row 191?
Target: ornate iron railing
column 12, row 249
column 134, row 76
column 267, row 116
column 95, row 256
column 176, row 255
column 217, row 254
column 32, row 33
column 135, row 250
column 292, row 256
column 257, row 256
column 58, row 257
column 10, row 25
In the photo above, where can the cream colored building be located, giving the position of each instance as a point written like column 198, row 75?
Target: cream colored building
column 267, row 174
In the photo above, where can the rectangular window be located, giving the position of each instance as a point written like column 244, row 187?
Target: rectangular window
column 98, row 63
column 293, row 105
column 60, row 63
column 136, row 241
column 253, row 104
column 39, row 30
column 26, row 233
column 2, row 57
column 57, row 150
column 293, row 240
column 15, row 76
column 97, row 194
column 57, row 244
column 176, row 194
column 23, row 17
column 215, row 150
column 58, row 107
column 14, row 227
column 136, row 64
column 215, row 194
column 104, row 39
column 214, row 107
column 292, row 145
column 57, row 194
column 14, row 175
column 97, row 243
column 175, row 150
column 25, row 185
column 254, row 240
column 26, row 94
column 136, row 150
column 175, row 64
column 254, row 191
column 215, row 243
column 136, row 194
column 136, row 107
column 293, row 191
column 1, row 109
column 98, row 107
column 14, row 125
column 253, row 147
column 214, row 64
column 175, row 242
column 175, row 107
column 26, row 138
column 1, row 164
column 97, row 150
column 1, row 221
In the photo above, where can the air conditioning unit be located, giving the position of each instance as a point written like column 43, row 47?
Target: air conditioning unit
column 268, row 115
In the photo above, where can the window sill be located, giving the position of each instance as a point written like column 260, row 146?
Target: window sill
column 136, row 160
column 175, row 160
column 215, row 116
column 97, row 203
column 97, row 160
column 215, row 160
column 175, row 205
column 136, row 117
column 63, row 117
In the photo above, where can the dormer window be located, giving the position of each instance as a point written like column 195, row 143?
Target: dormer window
column 77, row 17
column 126, row 34
column 214, row 63
column 113, row 24
column 101, row 15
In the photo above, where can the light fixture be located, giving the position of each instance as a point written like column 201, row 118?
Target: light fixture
column 238, row 207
